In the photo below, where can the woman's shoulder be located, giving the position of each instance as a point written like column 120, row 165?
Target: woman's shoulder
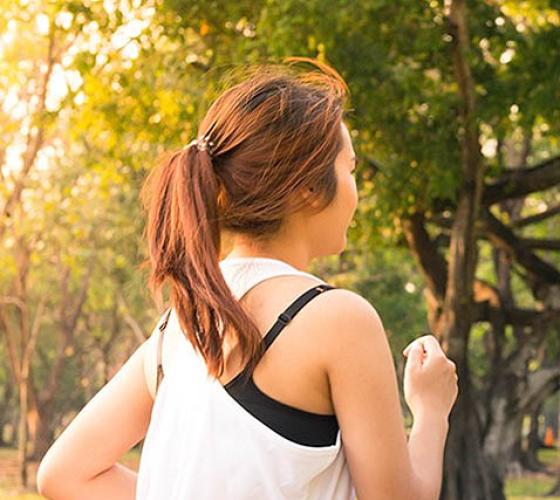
column 337, row 316
column 340, row 305
column 340, row 318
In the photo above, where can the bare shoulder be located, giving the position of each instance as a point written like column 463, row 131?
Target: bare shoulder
column 342, row 304
column 351, row 305
column 341, row 318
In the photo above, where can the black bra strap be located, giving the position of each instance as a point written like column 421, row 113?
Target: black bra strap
column 283, row 319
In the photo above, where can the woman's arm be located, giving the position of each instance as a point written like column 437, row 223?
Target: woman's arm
column 365, row 395
column 82, row 462
column 426, row 444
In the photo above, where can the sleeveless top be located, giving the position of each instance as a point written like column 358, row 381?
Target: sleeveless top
column 301, row 426
column 210, row 441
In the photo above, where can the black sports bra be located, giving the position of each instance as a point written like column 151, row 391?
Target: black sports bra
column 300, row 426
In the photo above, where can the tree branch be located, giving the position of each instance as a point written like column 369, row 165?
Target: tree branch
column 532, row 219
column 34, row 142
column 544, row 379
column 430, row 261
column 484, row 312
column 539, row 272
column 518, row 182
column 540, row 243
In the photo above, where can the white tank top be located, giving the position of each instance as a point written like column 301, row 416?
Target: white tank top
column 202, row 444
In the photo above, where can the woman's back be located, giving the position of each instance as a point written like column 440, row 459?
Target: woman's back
column 204, row 443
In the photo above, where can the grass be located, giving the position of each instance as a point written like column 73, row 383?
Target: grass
column 533, row 486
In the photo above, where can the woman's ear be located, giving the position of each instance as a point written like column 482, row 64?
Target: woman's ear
column 308, row 197
column 309, row 201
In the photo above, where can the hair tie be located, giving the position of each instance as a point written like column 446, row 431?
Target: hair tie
column 203, row 144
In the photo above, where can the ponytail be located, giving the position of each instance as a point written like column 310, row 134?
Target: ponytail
column 181, row 197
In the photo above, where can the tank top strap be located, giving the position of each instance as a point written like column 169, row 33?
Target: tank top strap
column 161, row 327
column 244, row 273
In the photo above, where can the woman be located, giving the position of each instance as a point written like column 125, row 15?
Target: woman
column 268, row 382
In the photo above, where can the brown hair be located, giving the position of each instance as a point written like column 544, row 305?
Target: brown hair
column 275, row 133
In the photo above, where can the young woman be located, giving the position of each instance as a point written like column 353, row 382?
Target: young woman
column 260, row 380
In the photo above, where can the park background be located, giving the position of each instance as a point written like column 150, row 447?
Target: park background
column 455, row 119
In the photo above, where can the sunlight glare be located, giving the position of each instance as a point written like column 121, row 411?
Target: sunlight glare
column 42, row 22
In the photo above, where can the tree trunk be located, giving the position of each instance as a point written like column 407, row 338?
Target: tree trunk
column 524, row 458
column 529, row 458
column 22, row 433
column 41, row 424
column 468, row 473
column 5, row 412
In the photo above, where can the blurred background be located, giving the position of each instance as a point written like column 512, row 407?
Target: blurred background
column 455, row 118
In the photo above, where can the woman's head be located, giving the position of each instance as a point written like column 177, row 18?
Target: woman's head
column 280, row 158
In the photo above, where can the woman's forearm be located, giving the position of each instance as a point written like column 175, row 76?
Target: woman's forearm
column 117, row 483
column 426, row 444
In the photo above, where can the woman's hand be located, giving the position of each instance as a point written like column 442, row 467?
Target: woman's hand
column 430, row 378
